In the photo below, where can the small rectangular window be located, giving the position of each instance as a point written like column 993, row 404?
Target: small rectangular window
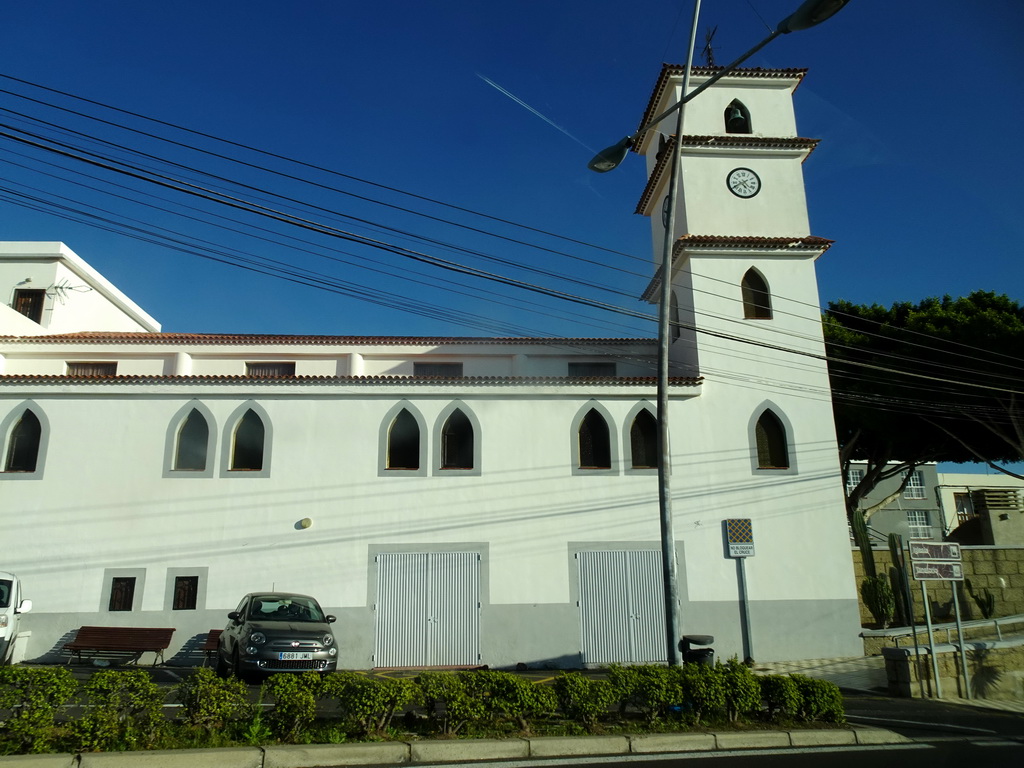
column 122, row 593
column 586, row 370
column 29, row 302
column 920, row 528
column 92, row 369
column 915, row 487
column 186, row 589
column 853, row 478
column 448, row 370
column 269, row 370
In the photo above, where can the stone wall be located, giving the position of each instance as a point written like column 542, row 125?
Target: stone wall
column 998, row 569
column 993, row 670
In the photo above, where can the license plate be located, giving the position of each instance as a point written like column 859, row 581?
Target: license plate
column 294, row 656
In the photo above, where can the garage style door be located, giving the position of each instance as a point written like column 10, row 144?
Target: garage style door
column 622, row 607
column 427, row 610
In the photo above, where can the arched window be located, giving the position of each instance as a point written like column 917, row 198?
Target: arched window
column 23, row 448
column 404, row 442
column 737, row 117
column 457, row 442
column 757, row 301
column 247, row 447
column 643, row 440
column 193, row 439
column 772, row 447
column 595, row 445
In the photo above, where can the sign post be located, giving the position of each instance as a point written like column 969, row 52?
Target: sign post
column 739, row 537
column 940, row 561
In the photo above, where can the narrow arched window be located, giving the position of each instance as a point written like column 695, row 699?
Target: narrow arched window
column 23, row 448
column 404, row 442
column 737, row 117
column 757, row 301
column 595, row 446
column 247, row 450
column 772, row 447
column 643, row 440
column 193, row 439
column 457, row 442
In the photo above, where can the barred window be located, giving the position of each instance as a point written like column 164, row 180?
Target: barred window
column 643, row 440
column 448, row 370
column 269, row 370
column 772, row 449
column 29, row 302
column 914, row 488
column 122, row 593
column 78, row 368
column 186, row 590
column 595, row 445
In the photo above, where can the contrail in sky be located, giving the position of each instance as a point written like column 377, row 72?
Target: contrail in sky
column 526, row 106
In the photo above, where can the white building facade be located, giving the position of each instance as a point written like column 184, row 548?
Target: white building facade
column 454, row 501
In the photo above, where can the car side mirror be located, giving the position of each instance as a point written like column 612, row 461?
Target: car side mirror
column 25, row 607
column 331, row 619
column 236, row 617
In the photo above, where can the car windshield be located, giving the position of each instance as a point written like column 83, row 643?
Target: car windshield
column 281, row 608
column 6, row 587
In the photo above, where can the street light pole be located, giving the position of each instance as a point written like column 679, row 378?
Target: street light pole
column 809, row 14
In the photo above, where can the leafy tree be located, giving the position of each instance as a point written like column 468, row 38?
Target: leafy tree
column 940, row 380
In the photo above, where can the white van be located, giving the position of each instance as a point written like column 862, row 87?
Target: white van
column 11, row 607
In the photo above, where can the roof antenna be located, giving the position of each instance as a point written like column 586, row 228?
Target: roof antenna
column 709, row 52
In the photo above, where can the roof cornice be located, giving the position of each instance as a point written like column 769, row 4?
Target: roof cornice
column 714, row 144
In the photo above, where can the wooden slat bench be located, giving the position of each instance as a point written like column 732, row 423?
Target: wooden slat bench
column 130, row 642
column 210, row 646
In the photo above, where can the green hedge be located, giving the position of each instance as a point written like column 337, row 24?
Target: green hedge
column 43, row 709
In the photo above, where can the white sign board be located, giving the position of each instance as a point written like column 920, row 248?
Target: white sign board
column 944, row 551
column 739, row 533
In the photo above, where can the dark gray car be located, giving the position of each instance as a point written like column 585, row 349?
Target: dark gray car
column 276, row 632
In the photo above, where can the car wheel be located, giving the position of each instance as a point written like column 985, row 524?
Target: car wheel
column 223, row 668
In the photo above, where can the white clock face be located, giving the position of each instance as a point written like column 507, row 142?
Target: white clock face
column 743, row 182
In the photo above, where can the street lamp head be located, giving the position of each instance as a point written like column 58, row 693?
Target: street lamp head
column 609, row 158
column 811, row 13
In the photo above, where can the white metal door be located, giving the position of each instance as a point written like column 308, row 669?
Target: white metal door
column 428, row 609
column 622, row 607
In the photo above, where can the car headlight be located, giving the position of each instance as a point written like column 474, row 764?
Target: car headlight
column 328, row 639
column 257, row 638
column 3, row 621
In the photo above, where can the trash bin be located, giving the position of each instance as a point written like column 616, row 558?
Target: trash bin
column 705, row 656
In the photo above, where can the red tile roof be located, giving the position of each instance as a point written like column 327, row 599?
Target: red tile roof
column 261, row 339
column 808, row 244
column 561, row 381
column 668, row 71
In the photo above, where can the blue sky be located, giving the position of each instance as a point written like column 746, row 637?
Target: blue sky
column 917, row 178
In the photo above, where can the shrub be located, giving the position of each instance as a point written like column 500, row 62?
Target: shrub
column 648, row 689
column 294, row 708
column 449, row 705
column 125, row 712
column 584, row 699
column 32, row 695
column 820, row 700
column 506, row 697
column 210, row 703
column 741, row 689
column 369, row 704
column 780, row 695
column 700, row 689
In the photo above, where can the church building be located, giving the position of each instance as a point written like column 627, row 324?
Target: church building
column 454, row 501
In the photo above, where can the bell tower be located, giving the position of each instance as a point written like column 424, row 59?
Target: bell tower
column 743, row 260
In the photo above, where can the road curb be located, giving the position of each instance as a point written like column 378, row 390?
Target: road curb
column 460, row 750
